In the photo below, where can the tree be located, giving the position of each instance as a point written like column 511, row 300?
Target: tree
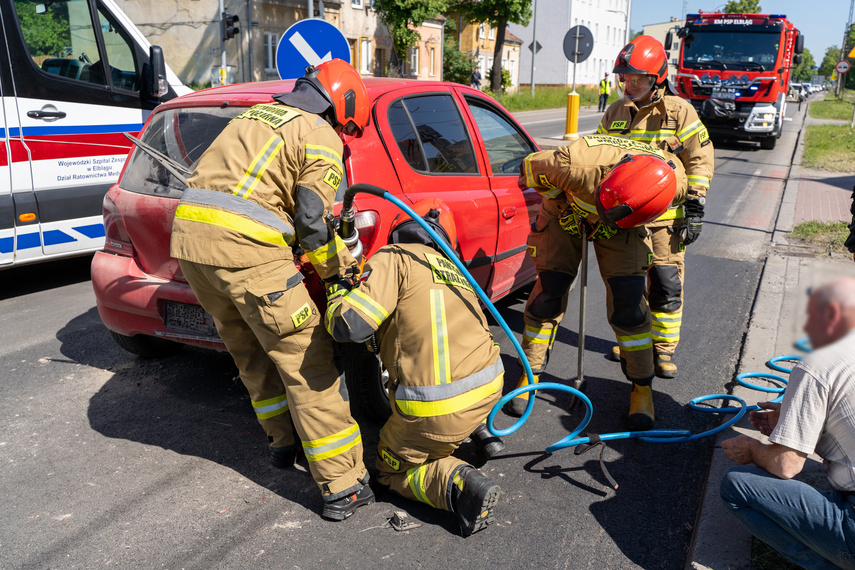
column 832, row 56
column 804, row 72
column 743, row 7
column 401, row 16
column 456, row 65
column 496, row 14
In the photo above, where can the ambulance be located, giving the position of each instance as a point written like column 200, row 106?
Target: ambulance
column 75, row 75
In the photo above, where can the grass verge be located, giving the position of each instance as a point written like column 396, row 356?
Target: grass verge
column 826, row 235
column 832, row 108
column 829, row 147
column 548, row 98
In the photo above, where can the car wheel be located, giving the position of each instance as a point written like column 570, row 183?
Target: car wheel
column 366, row 379
column 768, row 143
column 147, row 346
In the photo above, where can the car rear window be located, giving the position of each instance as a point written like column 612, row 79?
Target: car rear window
column 443, row 145
column 182, row 135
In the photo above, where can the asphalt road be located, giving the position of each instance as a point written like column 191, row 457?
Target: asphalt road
column 112, row 460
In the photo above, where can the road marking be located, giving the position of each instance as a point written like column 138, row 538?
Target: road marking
column 306, row 50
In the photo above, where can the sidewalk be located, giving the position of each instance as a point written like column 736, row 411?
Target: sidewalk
column 791, row 270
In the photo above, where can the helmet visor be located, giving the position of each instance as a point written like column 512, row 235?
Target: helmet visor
column 634, row 87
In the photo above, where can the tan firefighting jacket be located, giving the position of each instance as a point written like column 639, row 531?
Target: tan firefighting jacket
column 573, row 171
column 264, row 185
column 432, row 336
column 671, row 123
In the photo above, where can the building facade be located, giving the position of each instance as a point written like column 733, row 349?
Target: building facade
column 659, row 31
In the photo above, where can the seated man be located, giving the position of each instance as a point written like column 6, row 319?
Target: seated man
column 812, row 528
column 445, row 372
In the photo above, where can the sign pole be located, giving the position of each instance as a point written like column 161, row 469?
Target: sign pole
column 533, row 41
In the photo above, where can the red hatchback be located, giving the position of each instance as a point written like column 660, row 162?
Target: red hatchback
column 425, row 139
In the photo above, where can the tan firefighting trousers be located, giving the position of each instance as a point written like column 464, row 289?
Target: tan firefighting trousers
column 286, row 362
column 665, row 286
column 623, row 261
column 419, row 467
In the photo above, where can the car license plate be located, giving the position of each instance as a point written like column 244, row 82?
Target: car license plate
column 189, row 318
column 724, row 94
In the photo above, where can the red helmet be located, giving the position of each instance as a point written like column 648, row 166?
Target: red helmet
column 342, row 86
column 438, row 216
column 644, row 55
column 639, row 189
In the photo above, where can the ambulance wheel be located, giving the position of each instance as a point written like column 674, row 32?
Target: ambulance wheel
column 147, row 346
column 768, row 143
column 366, row 379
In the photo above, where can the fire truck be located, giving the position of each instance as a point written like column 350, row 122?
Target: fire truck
column 735, row 69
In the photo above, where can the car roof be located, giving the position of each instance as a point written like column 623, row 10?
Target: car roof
column 261, row 91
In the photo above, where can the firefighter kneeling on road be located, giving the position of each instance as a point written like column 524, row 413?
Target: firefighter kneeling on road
column 445, row 371
column 263, row 187
column 611, row 187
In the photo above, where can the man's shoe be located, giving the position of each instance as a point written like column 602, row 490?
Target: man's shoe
column 473, row 499
column 490, row 444
column 641, row 408
column 665, row 365
column 344, row 507
column 516, row 407
column 285, row 457
column 614, row 355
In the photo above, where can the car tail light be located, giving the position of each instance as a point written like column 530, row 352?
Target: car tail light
column 117, row 239
column 366, row 225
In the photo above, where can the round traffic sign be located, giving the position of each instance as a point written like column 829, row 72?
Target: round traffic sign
column 842, row 66
column 309, row 42
column 578, row 44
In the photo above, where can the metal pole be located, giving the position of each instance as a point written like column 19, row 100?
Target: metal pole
column 309, row 10
column 222, row 39
column 533, row 41
column 249, row 30
column 583, row 290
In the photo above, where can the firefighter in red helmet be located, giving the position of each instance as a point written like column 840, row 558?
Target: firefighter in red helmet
column 648, row 112
column 445, row 371
column 613, row 187
column 265, row 186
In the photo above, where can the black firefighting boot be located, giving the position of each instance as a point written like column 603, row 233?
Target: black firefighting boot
column 516, row 406
column 285, row 457
column 614, row 355
column 665, row 365
column 641, row 408
column 473, row 497
column 490, row 444
column 342, row 508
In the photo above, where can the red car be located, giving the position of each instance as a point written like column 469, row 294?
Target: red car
column 425, row 139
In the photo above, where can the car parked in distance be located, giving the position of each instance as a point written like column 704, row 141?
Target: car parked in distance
column 425, row 139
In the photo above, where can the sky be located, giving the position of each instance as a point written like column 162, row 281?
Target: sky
column 823, row 22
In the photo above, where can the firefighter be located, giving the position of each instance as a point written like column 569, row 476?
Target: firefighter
column 612, row 186
column 648, row 113
column 445, row 371
column 263, row 188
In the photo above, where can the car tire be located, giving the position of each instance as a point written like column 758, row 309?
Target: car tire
column 366, row 379
column 146, row 346
column 768, row 143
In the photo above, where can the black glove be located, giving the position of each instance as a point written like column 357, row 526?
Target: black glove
column 692, row 224
column 850, row 241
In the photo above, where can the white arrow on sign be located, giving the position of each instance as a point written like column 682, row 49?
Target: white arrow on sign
column 306, row 50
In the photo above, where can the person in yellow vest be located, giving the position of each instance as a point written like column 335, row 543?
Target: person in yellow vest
column 605, row 91
column 647, row 113
column 265, row 186
column 445, row 371
column 610, row 187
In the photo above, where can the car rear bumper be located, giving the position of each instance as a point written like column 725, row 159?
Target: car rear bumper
column 131, row 302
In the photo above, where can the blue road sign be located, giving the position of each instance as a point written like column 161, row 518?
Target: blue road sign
column 309, row 42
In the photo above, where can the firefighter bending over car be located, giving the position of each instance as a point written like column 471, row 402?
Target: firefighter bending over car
column 445, row 371
column 610, row 187
column 263, row 188
column 647, row 112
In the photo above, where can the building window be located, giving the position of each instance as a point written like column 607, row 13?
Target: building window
column 482, row 30
column 492, row 34
column 432, row 62
column 357, row 4
column 270, row 43
column 414, row 61
column 365, row 55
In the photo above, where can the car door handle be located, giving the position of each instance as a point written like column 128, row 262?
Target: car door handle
column 510, row 212
column 46, row 114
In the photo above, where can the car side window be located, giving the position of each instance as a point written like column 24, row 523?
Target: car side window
column 443, row 145
column 506, row 146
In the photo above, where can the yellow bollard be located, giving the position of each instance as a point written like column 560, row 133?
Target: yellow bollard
column 572, row 116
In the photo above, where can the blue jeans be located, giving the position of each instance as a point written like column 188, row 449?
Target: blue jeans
column 812, row 528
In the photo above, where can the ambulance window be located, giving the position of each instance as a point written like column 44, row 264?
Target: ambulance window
column 120, row 53
column 61, row 39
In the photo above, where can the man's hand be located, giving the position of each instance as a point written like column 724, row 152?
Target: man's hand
column 693, row 223
column 739, row 449
column 765, row 422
